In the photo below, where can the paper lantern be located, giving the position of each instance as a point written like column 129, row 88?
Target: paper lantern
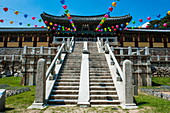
column 20, row 23
column 55, row 25
column 106, row 15
column 1, row 20
column 113, row 27
column 139, row 27
column 62, row 1
column 165, row 24
column 117, row 26
column 120, row 29
column 127, row 23
column 68, row 14
column 35, row 25
column 42, row 26
column 126, row 28
column 11, row 22
column 25, row 15
column 48, row 27
column 16, row 12
column 168, row 12
column 28, row 24
column 133, row 22
column 148, row 18
column 54, row 28
column 33, row 18
column 69, row 17
column 46, row 22
column 51, row 23
column 140, row 20
column 114, row 4
column 122, row 25
column 5, row 9
column 155, row 26
column 64, row 6
column 159, row 15
column 147, row 26
column 40, row 20
column 111, row 9
column 66, row 11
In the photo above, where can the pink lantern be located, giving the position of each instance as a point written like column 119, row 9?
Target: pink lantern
column 126, row 28
column 53, row 28
column 117, row 26
column 165, row 24
column 148, row 18
column 35, row 26
column 64, row 6
column 106, row 16
column 33, row 18
column 55, row 25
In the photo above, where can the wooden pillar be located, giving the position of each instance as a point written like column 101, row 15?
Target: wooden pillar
column 121, row 40
column 5, row 41
column 150, row 41
column 136, row 41
column 35, row 41
column 165, row 40
column 20, row 41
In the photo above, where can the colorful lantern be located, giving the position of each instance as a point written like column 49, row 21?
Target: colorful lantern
column 111, row 9
column 106, row 15
column 11, row 22
column 168, row 12
column 33, row 18
column 147, row 26
column 25, row 15
column 140, row 20
column 16, row 12
column 46, row 22
column 126, row 28
column 139, row 27
column 5, row 9
column 155, row 26
column 117, row 26
column 159, row 15
column 28, row 24
column 40, row 20
column 62, row 1
column 35, row 25
column 64, row 6
column 127, row 23
column 48, row 27
column 66, row 11
column 20, row 23
column 51, row 23
column 114, row 4
column 148, row 18
column 68, row 14
column 133, row 22
column 113, row 27
column 55, row 25
column 165, row 24
column 1, row 20
column 42, row 26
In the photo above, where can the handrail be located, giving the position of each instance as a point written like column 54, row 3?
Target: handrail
column 115, row 61
column 54, row 60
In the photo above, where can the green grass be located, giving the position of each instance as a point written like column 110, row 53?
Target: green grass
column 161, row 81
column 157, row 104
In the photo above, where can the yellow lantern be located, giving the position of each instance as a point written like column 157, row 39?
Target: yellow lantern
column 102, row 21
column 114, row 4
column 139, row 27
column 16, row 12
column 168, row 12
column 51, row 23
column 127, row 23
column 68, row 14
column 11, row 22
column 48, row 27
column 110, row 30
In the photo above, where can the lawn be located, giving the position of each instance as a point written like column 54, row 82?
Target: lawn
column 20, row 102
column 161, row 81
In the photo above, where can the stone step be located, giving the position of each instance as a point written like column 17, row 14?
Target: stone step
column 103, row 97
column 69, row 74
column 102, row 88
column 101, row 80
column 74, row 97
column 98, row 66
column 71, row 68
column 69, row 71
column 62, row 102
column 101, row 84
column 100, row 77
column 67, row 80
column 67, row 83
column 99, row 74
column 66, row 87
column 104, row 102
column 98, row 92
column 72, row 63
column 68, row 77
column 68, row 92
column 99, row 71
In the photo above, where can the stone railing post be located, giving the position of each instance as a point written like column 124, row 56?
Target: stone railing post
column 68, row 44
column 39, row 101
column 41, row 50
column 25, row 50
column 128, row 102
column 129, row 50
column 121, row 51
column 146, row 51
column 106, row 48
column 2, row 99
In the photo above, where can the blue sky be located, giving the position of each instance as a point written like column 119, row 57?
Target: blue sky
column 139, row 9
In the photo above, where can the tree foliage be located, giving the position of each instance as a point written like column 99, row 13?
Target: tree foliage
column 160, row 23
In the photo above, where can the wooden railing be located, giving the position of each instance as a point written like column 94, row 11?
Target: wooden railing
column 11, row 57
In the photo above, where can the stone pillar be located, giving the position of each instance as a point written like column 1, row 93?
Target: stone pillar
column 2, row 99
column 128, row 102
column 121, row 51
column 129, row 50
column 25, row 50
column 40, row 85
column 146, row 51
column 41, row 50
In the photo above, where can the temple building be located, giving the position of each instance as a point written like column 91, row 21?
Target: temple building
column 59, row 28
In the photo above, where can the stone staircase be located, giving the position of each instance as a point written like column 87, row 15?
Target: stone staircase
column 66, row 88
column 102, row 90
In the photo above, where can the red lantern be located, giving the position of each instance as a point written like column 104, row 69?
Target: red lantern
column 33, row 18
column 69, row 17
column 42, row 26
column 140, row 20
column 147, row 26
column 113, row 27
column 1, row 20
column 64, row 6
column 5, row 9
column 46, row 22
column 111, row 9
column 16, row 12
